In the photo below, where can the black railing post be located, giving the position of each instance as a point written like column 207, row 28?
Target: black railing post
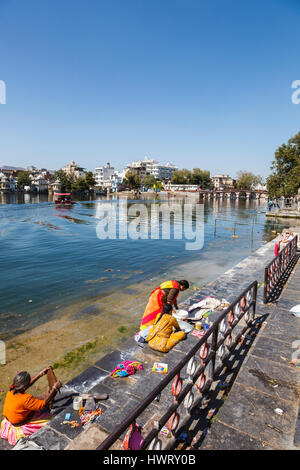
column 266, row 286
column 214, row 343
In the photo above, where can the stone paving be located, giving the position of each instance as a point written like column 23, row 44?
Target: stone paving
column 125, row 394
column 266, row 382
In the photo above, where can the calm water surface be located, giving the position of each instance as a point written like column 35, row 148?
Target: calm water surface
column 51, row 256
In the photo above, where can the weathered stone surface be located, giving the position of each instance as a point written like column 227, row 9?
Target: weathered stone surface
column 114, row 415
column 222, row 437
column 49, row 439
column 87, row 379
column 89, row 439
column 282, row 327
column 110, row 361
column 273, row 349
column 66, row 429
column 271, row 378
column 254, row 411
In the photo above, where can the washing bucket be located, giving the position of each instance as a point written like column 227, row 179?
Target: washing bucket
column 181, row 315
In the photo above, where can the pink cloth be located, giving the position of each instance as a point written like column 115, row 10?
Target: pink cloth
column 14, row 433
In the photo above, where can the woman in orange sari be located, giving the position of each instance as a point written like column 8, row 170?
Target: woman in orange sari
column 166, row 293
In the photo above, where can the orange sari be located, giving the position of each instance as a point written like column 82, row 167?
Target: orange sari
column 155, row 304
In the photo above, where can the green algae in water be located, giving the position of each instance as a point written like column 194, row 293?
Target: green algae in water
column 76, row 356
column 122, row 329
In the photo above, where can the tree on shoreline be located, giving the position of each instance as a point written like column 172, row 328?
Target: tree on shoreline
column 285, row 178
column 132, row 180
column 247, row 180
column 65, row 180
column 197, row 176
column 90, row 180
column 149, row 181
column 69, row 183
column 23, row 179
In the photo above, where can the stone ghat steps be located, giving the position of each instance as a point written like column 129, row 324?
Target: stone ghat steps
column 125, row 394
column 266, row 382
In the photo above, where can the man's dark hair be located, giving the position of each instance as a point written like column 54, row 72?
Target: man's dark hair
column 184, row 283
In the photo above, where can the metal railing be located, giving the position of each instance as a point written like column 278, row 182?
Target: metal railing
column 192, row 376
column 277, row 268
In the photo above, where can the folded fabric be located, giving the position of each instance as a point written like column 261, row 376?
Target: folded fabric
column 208, row 302
column 126, row 368
column 198, row 310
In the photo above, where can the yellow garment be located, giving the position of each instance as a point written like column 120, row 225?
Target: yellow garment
column 169, row 285
column 161, row 336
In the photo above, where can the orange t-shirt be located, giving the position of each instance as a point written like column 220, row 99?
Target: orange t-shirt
column 19, row 406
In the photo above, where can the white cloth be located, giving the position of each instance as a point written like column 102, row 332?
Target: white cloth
column 197, row 310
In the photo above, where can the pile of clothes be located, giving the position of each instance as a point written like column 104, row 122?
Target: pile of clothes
column 126, row 368
column 199, row 310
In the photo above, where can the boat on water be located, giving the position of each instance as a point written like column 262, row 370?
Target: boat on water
column 63, row 198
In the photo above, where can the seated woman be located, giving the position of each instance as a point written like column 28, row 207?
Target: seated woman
column 23, row 413
column 161, row 336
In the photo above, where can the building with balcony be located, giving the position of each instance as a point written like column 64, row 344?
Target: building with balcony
column 103, row 174
column 222, row 182
column 152, row 167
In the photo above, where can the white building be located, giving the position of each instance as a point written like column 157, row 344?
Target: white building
column 7, row 183
column 222, row 181
column 39, row 183
column 162, row 172
column 103, row 174
column 153, row 167
column 75, row 170
column 107, row 177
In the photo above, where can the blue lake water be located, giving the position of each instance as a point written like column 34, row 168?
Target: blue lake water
column 51, row 256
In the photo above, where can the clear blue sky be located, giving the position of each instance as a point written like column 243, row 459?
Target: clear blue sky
column 199, row 83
